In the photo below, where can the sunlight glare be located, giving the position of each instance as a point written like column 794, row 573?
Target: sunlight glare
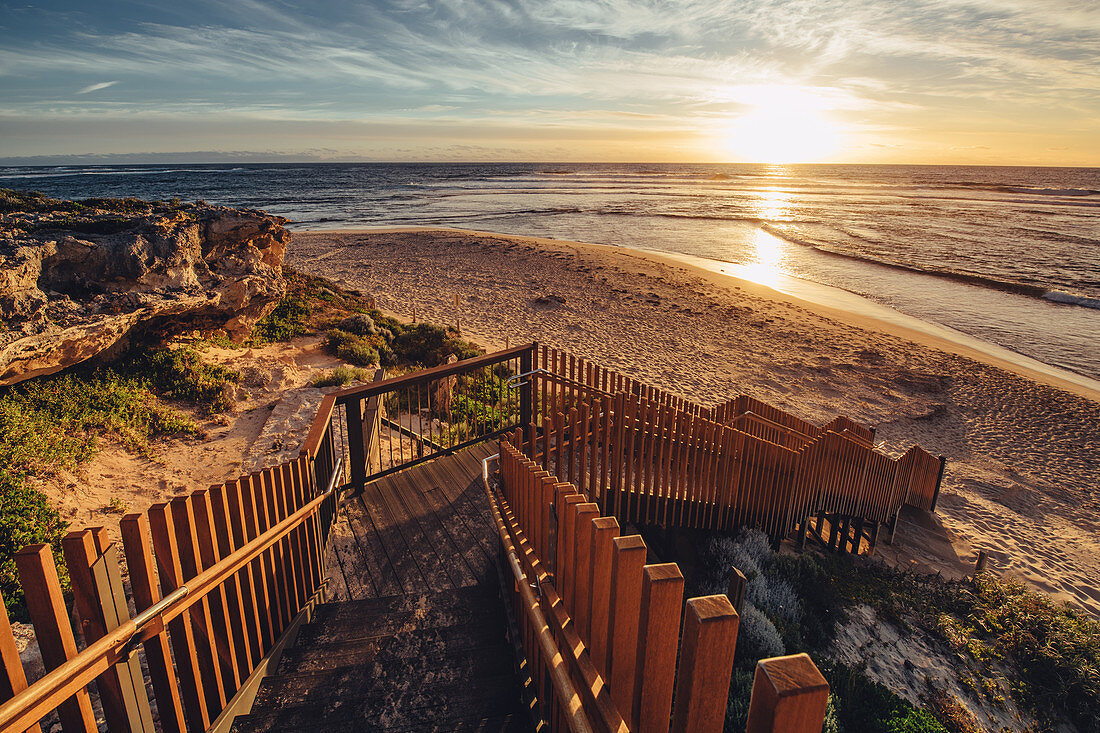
column 767, row 266
column 785, row 125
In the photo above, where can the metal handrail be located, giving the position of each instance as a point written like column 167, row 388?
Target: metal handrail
column 556, row 377
column 29, row 706
column 559, row 677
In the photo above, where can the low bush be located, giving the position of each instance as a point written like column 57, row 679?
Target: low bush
column 181, row 374
column 340, row 376
column 287, row 320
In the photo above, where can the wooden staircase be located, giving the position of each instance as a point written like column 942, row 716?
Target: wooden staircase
column 420, row 662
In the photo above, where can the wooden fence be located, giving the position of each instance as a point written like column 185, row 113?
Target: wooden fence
column 220, row 580
column 618, row 660
column 745, row 463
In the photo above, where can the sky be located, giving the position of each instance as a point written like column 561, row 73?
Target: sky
column 1004, row 82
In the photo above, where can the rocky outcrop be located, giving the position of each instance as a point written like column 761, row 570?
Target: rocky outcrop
column 78, row 278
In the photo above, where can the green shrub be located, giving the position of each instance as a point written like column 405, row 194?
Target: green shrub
column 340, row 376
column 1055, row 648
column 56, row 422
column 286, row 321
column 182, row 374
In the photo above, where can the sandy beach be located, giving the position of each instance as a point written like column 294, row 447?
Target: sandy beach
column 1023, row 448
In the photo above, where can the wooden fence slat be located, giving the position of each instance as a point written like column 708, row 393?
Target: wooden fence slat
column 212, row 646
column 606, row 530
column 181, row 628
column 46, row 606
column 143, row 586
column 239, row 496
column 80, row 554
column 226, row 606
column 627, row 560
column 14, row 677
column 658, row 634
column 789, row 694
column 587, row 513
column 244, row 587
column 706, row 663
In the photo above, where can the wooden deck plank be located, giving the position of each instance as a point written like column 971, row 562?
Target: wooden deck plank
column 399, row 551
column 370, row 550
column 427, row 528
column 407, row 489
column 446, row 515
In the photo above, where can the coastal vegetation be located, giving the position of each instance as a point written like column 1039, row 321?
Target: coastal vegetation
column 1009, row 647
column 60, row 422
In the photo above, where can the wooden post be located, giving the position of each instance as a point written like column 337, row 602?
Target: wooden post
column 939, row 483
column 706, row 663
column 139, row 561
column 42, row 590
column 979, row 567
column 356, row 443
column 737, row 587
column 527, row 401
column 658, row 634
column 14, row 678
column 788, row 696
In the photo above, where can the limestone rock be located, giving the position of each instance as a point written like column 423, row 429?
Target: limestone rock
column 73, row 286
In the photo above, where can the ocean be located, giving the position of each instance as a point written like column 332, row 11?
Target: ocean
column 1008, row 255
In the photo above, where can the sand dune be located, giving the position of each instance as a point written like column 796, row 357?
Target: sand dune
column 1023, row 457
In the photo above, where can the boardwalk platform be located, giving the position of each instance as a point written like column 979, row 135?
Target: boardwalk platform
column 413, row 634
column 422, row 530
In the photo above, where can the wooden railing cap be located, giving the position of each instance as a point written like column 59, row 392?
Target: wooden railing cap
column 606, row 523
column 663, row 572
column 630, row 542
column 710, row 608
column 793, row 674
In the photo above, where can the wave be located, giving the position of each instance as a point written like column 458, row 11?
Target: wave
column 1007, row 286
column 1060, row 296
column 1008, row 188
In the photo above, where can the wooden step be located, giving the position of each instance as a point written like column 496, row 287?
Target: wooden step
column 424, row 706
column 385, row 674
column 446, row 641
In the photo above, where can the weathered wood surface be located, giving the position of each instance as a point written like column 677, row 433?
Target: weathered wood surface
column 425, row 529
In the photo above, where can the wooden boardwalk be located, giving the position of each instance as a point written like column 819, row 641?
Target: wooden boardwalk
column 425, row 529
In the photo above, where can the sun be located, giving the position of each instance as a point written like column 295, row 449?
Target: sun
column 783, row 125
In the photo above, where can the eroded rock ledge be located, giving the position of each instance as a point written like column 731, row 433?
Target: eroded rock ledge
column 76, row 278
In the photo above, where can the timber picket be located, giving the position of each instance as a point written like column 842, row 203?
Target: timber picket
column 14, row 677
column 46, row 607
column 139, row 561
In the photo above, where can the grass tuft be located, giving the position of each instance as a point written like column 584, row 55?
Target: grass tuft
column 342, row 375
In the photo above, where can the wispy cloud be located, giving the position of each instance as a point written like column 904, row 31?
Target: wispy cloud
column 97, row 87
column 879, row 64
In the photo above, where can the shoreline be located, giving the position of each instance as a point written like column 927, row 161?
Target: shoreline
column 826, row 300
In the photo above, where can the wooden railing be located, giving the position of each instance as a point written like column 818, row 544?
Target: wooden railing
column 396, row 423
column 603, row 628
column 240, row 565
column 744, row 463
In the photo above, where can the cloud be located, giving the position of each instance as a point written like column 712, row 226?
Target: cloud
column 97, row 87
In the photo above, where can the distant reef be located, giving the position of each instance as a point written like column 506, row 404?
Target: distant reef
column 78, row 278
